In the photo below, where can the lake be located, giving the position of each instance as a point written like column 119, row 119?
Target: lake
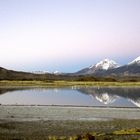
column 74, row 96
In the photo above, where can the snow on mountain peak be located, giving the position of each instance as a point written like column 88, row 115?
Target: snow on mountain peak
column 135, row 61
column 91, row 66
column 106, row 64
column 40, row 72
column 56, row 72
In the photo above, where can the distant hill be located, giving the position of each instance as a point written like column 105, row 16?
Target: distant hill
column 17, row 75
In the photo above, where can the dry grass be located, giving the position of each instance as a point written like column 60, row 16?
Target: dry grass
column 65, row 83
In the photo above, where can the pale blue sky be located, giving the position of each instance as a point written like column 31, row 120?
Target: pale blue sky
column 67, row 35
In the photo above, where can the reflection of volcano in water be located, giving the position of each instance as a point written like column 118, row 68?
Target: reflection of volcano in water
column 104, row 98
column 110, row 95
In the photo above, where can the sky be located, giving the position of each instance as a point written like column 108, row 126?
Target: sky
column 67, row 35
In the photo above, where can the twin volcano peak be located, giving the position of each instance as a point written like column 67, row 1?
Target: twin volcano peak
column 105, row 65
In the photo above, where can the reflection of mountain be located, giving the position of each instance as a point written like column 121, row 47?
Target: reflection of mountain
column 136, row 102
column 105, row 98
column 5, row 90
column 109, row 95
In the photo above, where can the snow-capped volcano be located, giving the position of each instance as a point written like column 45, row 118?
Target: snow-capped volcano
column 135, row 61
column 106, row 64
column 103, row 65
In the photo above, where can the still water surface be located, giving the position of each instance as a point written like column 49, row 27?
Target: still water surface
column 91, row 96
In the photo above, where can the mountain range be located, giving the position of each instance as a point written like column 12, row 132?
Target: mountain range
column 97, row 72
column 108, row 67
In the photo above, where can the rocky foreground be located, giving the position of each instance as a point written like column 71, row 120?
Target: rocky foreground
column 57, row 122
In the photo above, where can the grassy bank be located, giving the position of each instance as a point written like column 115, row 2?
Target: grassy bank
column 65, row 83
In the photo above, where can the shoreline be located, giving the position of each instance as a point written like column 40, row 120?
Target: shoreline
column 66, row 113
column 68, row 106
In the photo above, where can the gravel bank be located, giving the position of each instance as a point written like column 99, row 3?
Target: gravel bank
column 29, row 113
